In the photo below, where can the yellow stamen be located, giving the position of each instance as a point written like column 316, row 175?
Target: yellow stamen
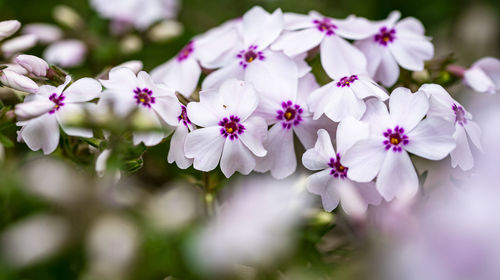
column 394, row 141
column 250, row 59
column 288, row 115
column 229, row 130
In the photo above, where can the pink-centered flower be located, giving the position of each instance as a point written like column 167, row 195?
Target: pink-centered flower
column 252, row 61
column 392, row 136
column 288, row 114
column 344, row 97
column 153, row 103
column 484, row 75
column 332, row 182
column 227, row 129
column 338, row 56
column 444, row 106
column 41, row 113
column 396, row 43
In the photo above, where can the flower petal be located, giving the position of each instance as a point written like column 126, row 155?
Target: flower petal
column 182, row 75
column 298, row 42
column 387, row 72
column 239, row 98
column 474, row 132
column 343, row 103
column 260, row 27
column 205, row 146
column 72, row 114
column 412, row 52
column 318, row 157
column 82, row 90
column 231, row 71
column 364, row 159
column 236, row 157
column 254, row 135
column 406, row 108
column 280, row 158
column 176, row 151
column 41, row 133
column 349, row 132
column 339, row 58
column 397, row 177
column 462, row 155
column 168, row 108
column 431, row 139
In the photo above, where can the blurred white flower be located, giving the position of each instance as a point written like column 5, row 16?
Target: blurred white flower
column 484, row 75
column 254, row 225
column 18, row 44
column 46, row 33
column 112, row 244
column 33, row 239
column 139, row 13
column 134, row 65
column 67, row 53
column 8, row 27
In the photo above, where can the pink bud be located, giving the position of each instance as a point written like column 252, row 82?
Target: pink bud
column 484, row 75
column 33, row 64
column 19, row 82
column 8, row 28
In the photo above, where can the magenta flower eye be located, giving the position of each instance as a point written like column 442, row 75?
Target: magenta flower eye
column 186, row 51
column 337, row 169
column 290, row 114
column 144, row 97
column 249, row 55
column 325, row 25
column 459, row 114
column 395, row 139
column 183, row 117
column 385, row 36
column 57, row 100
column 231, row 127
column 347, row 81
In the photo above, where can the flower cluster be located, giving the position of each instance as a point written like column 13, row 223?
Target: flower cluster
column 259, row 92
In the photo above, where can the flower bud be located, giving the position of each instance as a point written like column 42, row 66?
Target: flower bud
column 14, row 80
column 46, row 33
column 33, row 64
column 165, row 30
column 131, row 44
column 29, row 110
column 18, row 44
column 67, row 16
column 8, row 28
column 16, row 68
column 68, row 53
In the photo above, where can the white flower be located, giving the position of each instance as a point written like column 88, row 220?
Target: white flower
column 338, row 56
column 227, row 128
column 484, row 75
column 183, row 71
column 176, row 152
column 444, row 106
column 46, row 33
column 42, row 113
column 8, row 27
column 18, row 44
column 344, row 97
column 134, row 65
column 17, row 81
column 154, row 102
column 252, row 61
column 332, row 182
column 385, row 151
column 33, row 64
column 288, row 114
column 67, row 53
column 402, row 43
column 141, row 14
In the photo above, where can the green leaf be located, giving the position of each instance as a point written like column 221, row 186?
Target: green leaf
column 6, row 142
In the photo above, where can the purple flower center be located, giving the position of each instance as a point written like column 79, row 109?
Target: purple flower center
column 325, row 25
column 290, row 114
column 347, row 81
column 144, row 96
column 186, row 51
column 231, row 127
column 459, row 114
column 183, row 117
column 385, row 36
column 395, row 139
column 58, row 102
column 338, row 170
column 249, row 55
